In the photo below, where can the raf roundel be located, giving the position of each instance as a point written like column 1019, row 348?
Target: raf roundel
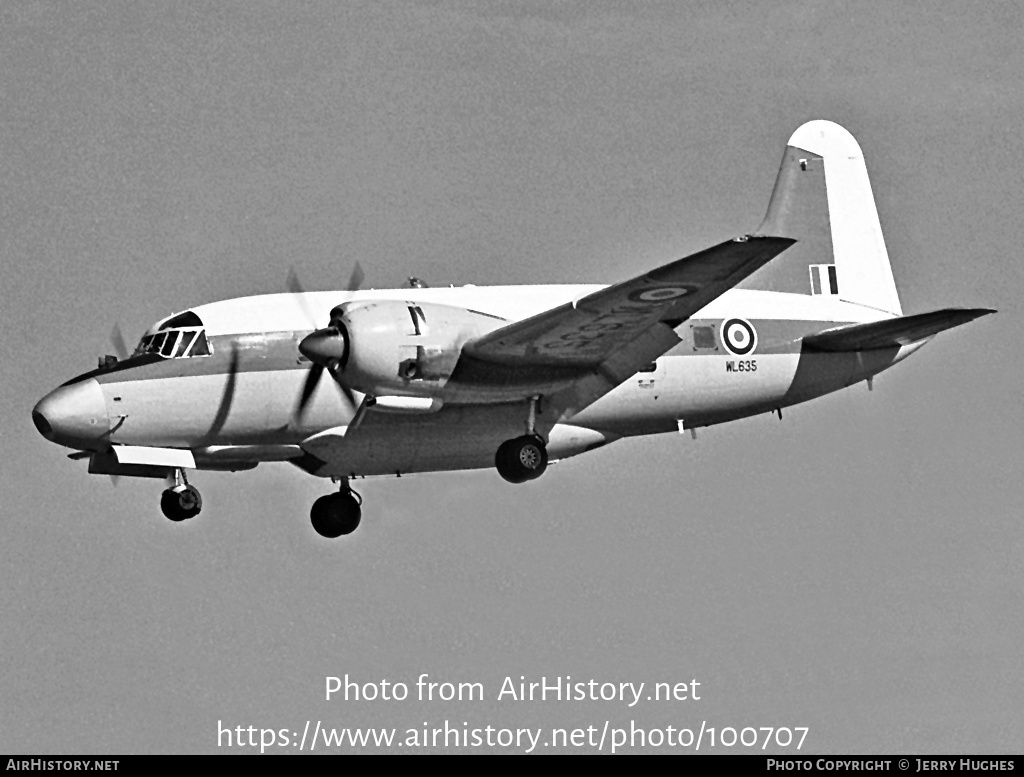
column 661, row 293
column 739, row 336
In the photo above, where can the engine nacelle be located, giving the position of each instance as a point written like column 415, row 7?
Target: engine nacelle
column 404, row 348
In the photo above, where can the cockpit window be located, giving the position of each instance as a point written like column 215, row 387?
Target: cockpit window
column 202, row 347
column 182, row 320
column 175, row 343
column 169, row 343
column 186, row 340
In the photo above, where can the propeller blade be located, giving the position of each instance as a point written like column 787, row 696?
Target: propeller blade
column 316, row 371
column 228, row 395
column 117, row 340
column 347, row 393
column 356, row 279
column 295, row 287
column 293, row 283
column 308, row 387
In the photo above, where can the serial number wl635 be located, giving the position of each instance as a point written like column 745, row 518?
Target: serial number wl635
column 743, row 365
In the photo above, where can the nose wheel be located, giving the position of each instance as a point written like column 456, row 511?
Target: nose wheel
column 522, row 459
column 337, row 514
column 181, row 502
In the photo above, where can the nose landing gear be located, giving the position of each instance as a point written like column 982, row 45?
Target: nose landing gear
column 337, row 514
column 182, row 501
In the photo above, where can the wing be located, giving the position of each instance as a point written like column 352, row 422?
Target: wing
column 588, row 331
column 892, row 333
column 599, row 341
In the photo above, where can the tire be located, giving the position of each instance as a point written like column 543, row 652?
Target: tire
column 504, row 461
column 522, row 459
column 181, row 503
column 335, row 515
column 171, row 506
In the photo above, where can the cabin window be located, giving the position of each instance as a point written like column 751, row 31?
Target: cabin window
column 703, row 337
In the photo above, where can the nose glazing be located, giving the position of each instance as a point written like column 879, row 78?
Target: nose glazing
column 73, row 415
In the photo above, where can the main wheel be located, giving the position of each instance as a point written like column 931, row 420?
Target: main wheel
column 335, row 514
column 524, row 458
column 181, row 503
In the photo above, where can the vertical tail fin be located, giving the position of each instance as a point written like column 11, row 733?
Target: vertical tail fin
column 822, row 197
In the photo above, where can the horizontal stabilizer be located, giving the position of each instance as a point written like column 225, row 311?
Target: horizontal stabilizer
column 892, row 333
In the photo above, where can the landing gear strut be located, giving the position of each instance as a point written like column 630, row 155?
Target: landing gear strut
column 181, row 501
column 337, row 514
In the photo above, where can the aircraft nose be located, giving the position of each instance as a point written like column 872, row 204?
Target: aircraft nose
column 74, row 415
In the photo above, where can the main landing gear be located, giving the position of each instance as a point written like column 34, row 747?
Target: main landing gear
column 181, row 501
column 337, row 514
column 524, row 458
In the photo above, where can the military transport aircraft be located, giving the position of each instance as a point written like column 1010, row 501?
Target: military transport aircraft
column 429, row 379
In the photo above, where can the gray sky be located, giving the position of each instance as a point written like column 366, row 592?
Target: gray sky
column 857, row 568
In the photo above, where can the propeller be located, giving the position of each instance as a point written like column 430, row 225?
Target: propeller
column 121, row 350
column 227, row 396
column 355, row 280
column 327, row 348
column 117, row 340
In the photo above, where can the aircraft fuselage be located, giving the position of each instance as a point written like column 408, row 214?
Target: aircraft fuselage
column 236, row 406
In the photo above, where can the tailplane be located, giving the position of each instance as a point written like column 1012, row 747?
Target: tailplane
column 893, row 332
column 822, row 197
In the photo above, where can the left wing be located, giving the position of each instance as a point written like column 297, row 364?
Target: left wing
column 588, row 331
column 599, row 341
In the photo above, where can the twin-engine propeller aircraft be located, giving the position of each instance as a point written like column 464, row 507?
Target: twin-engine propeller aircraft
column 428, row 379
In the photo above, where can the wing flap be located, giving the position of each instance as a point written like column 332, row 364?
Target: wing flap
column 617, row 368
column 586, row 332
column 157, row 457
column 892, row 333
